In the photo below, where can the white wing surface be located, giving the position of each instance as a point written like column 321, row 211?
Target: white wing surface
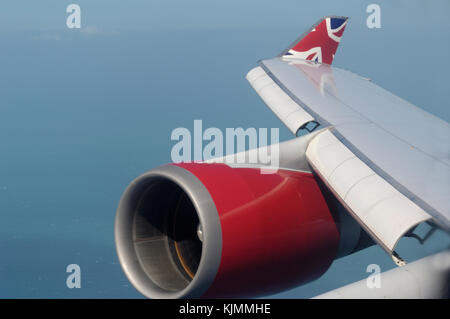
column 387, row 160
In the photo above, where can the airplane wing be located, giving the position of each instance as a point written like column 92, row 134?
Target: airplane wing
column 386, row 160
column 270, row 218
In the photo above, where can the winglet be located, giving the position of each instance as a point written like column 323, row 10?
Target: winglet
column 319, row 43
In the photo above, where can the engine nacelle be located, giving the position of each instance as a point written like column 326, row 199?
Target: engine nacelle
column 208, row 230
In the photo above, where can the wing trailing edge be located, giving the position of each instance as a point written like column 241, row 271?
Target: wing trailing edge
column 380, row 209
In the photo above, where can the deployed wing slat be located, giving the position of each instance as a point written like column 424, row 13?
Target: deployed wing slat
column 381, row 209
column 403, row 144
column 385, row 159
column 284, row 107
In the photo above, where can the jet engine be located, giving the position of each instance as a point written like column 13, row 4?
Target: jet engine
column 195, row 230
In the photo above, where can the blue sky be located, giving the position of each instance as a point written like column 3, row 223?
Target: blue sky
column 85, row 111
column 178, row 14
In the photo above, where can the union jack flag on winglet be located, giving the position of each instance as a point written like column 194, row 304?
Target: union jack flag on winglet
column 320, row 43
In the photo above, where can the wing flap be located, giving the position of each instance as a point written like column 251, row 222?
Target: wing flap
column 383, row 211
column 404, row 145
column 387, row 160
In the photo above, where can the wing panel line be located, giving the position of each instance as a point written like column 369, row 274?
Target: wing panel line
column 439, row 217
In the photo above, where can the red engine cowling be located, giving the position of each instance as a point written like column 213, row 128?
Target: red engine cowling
column 208, row 230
